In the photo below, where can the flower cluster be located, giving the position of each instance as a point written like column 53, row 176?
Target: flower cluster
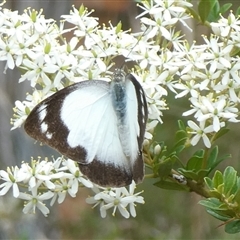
column 53, row 180
column 50, row 64
column 116, row 198
column 208, row 75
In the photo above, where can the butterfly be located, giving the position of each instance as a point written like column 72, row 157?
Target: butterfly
column 99, row 124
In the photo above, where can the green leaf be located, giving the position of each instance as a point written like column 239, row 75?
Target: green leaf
column 202, row 173
column 215, row 194
column 232, row 227
column 213, row 203
column 237, row 194
column 218, row 161
column 212, row 157
column 219, row 215
column 195, row 162
column 180, row 135
column 230, row 181
column 165, row 167
column 208, row 181
column 217, row 179
column 180, row 138
column 225, row 7
column 214, row 13
column 171, row 186
column 237, row 11
column 179, row 149
column 220, row 133
column 204, row 9
column 188, row 174
column 181, row 125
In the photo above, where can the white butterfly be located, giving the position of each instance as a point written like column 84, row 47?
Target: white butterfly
column 99, row 124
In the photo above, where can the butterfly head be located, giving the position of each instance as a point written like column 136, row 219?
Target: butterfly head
column 119, row 75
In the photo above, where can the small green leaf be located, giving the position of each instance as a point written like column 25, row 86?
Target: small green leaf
column 232, row 227
column 218, row 161
column 194, row 163
column 230, row 181
column 217, row 179
column 202, row 173
column 179, row 148
column 237, row 11
column 212, row 157
column 208, row 182
column 165, row 167
column 180, row 135
column 225, row 7
column 188, row 174
column 219, row 215
column 213, row 203
column 181, row 125
column 215, row 194
column 214, row 13
column 171, row 186
column 204, row 9
column 237, row 194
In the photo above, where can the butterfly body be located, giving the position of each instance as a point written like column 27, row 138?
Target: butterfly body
column 100, row 125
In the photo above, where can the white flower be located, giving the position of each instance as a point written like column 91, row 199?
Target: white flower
column 6, row 52
column 216, row 111
column 38, row 172
column 82, row 20
column 62, row 187
column 219, row 55
column 225, row 25
column 118, row 199
column 20, row 115
column 200, row 132
column 77, row 175
column 38, row 70
column 190, row 87
column 197, row 107
column 113, row 199
column 11, row 178
column 35, row 200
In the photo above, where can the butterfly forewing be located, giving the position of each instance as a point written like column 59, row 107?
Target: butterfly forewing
column 81, row 123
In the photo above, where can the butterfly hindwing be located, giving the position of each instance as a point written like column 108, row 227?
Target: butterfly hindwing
column 81, row 123
column 142, row 116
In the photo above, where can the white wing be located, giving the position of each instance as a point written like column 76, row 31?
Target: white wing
column 90, row 118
